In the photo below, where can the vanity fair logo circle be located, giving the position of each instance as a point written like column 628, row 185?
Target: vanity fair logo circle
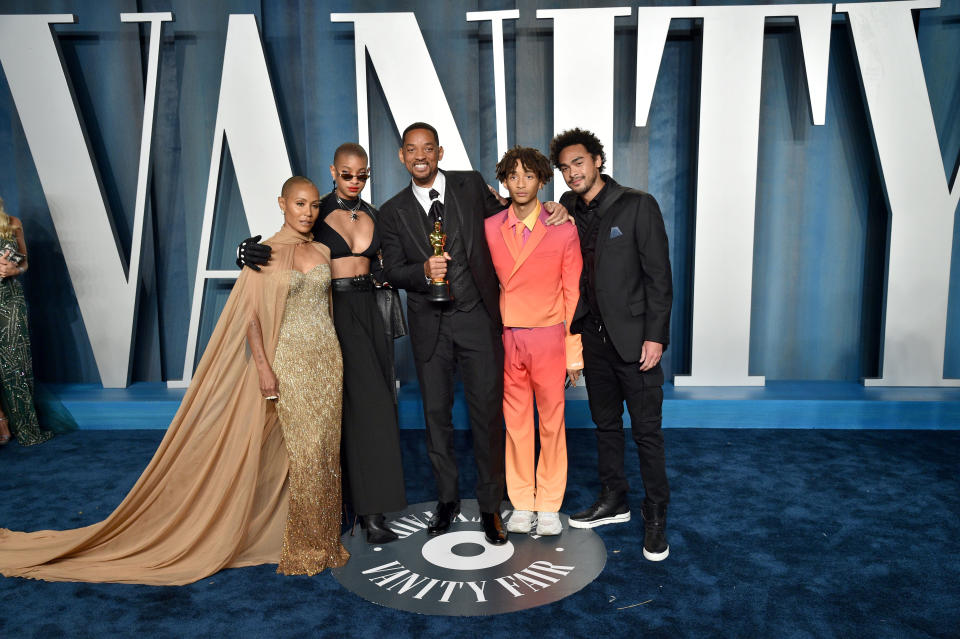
column 459, row 573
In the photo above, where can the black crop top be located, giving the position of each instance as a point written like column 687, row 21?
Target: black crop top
column 325, row 234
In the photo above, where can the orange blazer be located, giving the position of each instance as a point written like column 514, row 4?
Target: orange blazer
column 540, row 281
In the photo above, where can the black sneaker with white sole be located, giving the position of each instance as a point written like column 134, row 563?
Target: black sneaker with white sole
column 655, row 546
column 610, row 508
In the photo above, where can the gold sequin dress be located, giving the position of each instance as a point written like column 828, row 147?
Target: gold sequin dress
column 309, row 370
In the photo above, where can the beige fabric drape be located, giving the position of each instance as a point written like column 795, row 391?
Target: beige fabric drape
column 214, row 495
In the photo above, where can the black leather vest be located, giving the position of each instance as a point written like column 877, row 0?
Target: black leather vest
column 466, row 295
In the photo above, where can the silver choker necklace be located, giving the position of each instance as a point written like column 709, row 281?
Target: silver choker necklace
column 353, row 210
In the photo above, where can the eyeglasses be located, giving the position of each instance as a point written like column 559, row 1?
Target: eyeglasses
column 348, row 177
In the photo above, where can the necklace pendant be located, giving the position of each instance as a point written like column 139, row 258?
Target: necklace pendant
column 354, row 217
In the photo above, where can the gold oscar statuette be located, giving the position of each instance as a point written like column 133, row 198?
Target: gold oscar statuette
column 439, row 288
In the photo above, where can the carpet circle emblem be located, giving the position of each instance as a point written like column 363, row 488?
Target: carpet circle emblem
column 459, row 573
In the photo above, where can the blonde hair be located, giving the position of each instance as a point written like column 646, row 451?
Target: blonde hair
column 7, row 225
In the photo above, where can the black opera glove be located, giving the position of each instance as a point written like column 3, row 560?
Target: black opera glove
column 253, row 254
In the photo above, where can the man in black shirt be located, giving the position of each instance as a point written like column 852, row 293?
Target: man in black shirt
column 623, row 317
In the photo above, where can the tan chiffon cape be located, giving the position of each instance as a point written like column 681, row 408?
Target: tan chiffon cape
column 214, row 495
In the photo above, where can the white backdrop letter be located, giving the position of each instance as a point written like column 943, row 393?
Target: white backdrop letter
column 727, row 166
column 106, row 288
column 247, row 118
column 408, row 78
column 496, row 19
column 922, row 206
column 576, row 105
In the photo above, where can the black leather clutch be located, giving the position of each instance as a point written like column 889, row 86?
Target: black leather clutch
column 388, row 301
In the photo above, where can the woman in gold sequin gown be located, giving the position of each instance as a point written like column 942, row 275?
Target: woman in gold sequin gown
column 222, row 490
column 306, row 379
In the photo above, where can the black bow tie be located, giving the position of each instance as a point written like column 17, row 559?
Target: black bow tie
column 436, row 206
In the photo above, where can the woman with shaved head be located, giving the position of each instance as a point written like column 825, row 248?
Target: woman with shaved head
column 373, row 470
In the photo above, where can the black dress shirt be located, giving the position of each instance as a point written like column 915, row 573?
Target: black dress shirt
column 588, row 224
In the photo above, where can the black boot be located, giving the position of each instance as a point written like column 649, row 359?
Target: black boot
column 610, row 508
column 655, row 546
column 377, row 531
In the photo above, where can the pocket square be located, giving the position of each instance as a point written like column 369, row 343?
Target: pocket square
column 615, row 232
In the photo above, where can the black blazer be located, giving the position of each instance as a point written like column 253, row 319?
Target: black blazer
column 634, row 284
column 406, row 247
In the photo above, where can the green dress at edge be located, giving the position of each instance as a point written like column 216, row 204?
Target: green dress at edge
column 16, row 362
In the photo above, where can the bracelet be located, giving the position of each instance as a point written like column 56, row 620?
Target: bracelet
column 21, row 269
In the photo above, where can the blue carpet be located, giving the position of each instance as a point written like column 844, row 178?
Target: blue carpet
column 774, row 533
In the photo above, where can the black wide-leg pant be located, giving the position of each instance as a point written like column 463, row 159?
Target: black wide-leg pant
column 370, row 441
column 610, row 382
column 468, row 339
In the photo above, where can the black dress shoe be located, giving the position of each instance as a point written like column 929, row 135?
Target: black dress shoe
column 377, row 531
column 610, row 508
column 493, row 528
column 441, row 520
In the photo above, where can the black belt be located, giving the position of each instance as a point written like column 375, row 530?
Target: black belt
column 594, row 323
column 352, row 284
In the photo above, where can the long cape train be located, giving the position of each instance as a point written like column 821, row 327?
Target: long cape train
column 214, row 495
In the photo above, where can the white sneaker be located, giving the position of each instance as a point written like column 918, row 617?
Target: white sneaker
column 548, row 524
column 521, row 521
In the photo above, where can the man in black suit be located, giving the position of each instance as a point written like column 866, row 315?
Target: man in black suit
column 465, row 330
column 623, row 318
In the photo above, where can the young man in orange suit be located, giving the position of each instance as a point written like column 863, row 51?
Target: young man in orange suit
column 539, row 271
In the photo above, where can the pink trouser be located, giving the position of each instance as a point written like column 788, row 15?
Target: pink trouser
column 535, row 362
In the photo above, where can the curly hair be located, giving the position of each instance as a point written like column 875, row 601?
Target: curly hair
column 577, row 136
column 530, row 159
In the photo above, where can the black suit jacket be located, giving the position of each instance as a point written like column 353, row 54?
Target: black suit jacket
column 406, row 247
column 634, row 284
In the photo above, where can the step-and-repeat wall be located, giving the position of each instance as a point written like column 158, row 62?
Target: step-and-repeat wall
column 803, row 156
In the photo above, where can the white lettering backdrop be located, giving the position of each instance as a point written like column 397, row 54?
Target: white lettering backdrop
column 464, row 72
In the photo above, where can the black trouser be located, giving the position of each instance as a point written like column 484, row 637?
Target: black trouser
column 610, row 381
column 470, row 339
column 370, row 441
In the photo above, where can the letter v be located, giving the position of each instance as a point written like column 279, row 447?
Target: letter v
column 106, row 288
